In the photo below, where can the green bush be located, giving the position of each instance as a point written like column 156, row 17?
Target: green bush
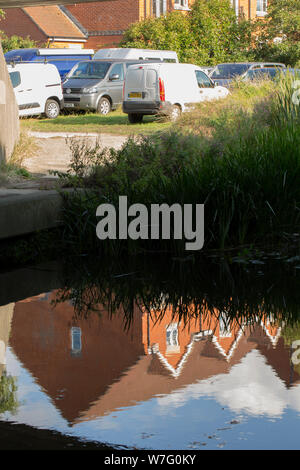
column 206, row 35
column 16, row 42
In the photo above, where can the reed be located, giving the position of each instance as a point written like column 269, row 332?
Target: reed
column 240, row 157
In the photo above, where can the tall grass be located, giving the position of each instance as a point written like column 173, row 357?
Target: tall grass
column 240, row 157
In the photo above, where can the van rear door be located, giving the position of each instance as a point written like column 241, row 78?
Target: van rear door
column 141, row 84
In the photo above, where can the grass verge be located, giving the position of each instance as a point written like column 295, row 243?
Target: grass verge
column 115, row 123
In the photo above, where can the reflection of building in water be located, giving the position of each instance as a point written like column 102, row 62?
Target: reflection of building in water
column 6, row 314
column 90, row 367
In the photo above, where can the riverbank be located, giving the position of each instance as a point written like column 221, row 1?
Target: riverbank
column 239, row 157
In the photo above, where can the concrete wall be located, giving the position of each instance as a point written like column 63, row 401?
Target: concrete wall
column 9, row 116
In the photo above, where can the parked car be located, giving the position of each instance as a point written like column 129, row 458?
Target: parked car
column 96, row 85
column 167, row 89
column 63, row 59
column 37, row 89
column 136, row 54
column 224, row 74
column 261, row 74
column 271, row 73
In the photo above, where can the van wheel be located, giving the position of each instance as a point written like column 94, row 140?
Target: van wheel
column 175, row 112
column 52, row 109
column 104, row 106
column 135, row 118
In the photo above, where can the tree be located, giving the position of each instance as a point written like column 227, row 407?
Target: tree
column 16, row 42
column 169, row 32
column 218, row 33
column 208, row 34
column 279, row 35
column 283, row 20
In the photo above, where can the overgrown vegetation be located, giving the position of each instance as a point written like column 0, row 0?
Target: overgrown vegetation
column 240, row 157
column 14, row 170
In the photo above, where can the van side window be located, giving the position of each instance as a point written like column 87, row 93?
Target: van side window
column 203, row 80
column 15, row 79
column 117, row 69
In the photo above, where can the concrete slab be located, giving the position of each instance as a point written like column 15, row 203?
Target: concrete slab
column 54, row 153
column 24, row 211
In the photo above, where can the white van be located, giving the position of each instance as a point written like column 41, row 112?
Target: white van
column 37, row 88
column 167, row 89
column 136, row 54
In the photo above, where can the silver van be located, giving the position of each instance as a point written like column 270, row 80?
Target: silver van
column 96, row 85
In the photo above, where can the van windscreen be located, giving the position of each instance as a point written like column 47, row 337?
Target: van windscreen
column 90, row 69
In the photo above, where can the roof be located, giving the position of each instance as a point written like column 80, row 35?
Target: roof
column 53, row 22
column 20, row 3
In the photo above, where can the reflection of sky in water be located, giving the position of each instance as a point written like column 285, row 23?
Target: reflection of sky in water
column 249, row 407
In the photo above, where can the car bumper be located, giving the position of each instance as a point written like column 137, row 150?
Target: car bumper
column 80, row 101
column 146, row 107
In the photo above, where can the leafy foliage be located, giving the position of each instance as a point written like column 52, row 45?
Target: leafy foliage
column 206, row 35
column 8, row 389
column 16, row 42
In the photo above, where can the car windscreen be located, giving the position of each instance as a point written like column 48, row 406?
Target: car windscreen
column 90, row 69
column 19, row 55
column 229, row 70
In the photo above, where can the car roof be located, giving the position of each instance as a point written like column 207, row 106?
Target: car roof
column 136, row 61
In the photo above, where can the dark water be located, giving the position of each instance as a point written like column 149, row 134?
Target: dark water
column 156, row 355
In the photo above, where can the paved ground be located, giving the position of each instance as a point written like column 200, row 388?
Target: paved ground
column 54, row 153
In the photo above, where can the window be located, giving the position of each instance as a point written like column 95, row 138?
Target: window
column 173, row 346
column 15, row 79
column 159, row 7
column 181, row 4
column 117, row 69
column 75, row 341
column 203, row 80
column 91, row 69
column 261, row 7
column 224, row 326
column 172, row 335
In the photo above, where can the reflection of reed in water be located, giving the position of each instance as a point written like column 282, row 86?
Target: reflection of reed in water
column 238, row 293
column 8, row 387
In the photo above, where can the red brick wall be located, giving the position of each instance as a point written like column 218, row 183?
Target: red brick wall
column 17, row 22
column 106, row 16
column 99, row 42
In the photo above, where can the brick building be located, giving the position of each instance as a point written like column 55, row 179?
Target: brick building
column 99, row 24
column 105, row 23
column 47, row 25
column 90, row 367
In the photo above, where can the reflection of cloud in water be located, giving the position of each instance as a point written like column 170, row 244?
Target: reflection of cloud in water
column 36, row 408
column 251, row 387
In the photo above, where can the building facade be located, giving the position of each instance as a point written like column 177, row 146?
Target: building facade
column 100, row 24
